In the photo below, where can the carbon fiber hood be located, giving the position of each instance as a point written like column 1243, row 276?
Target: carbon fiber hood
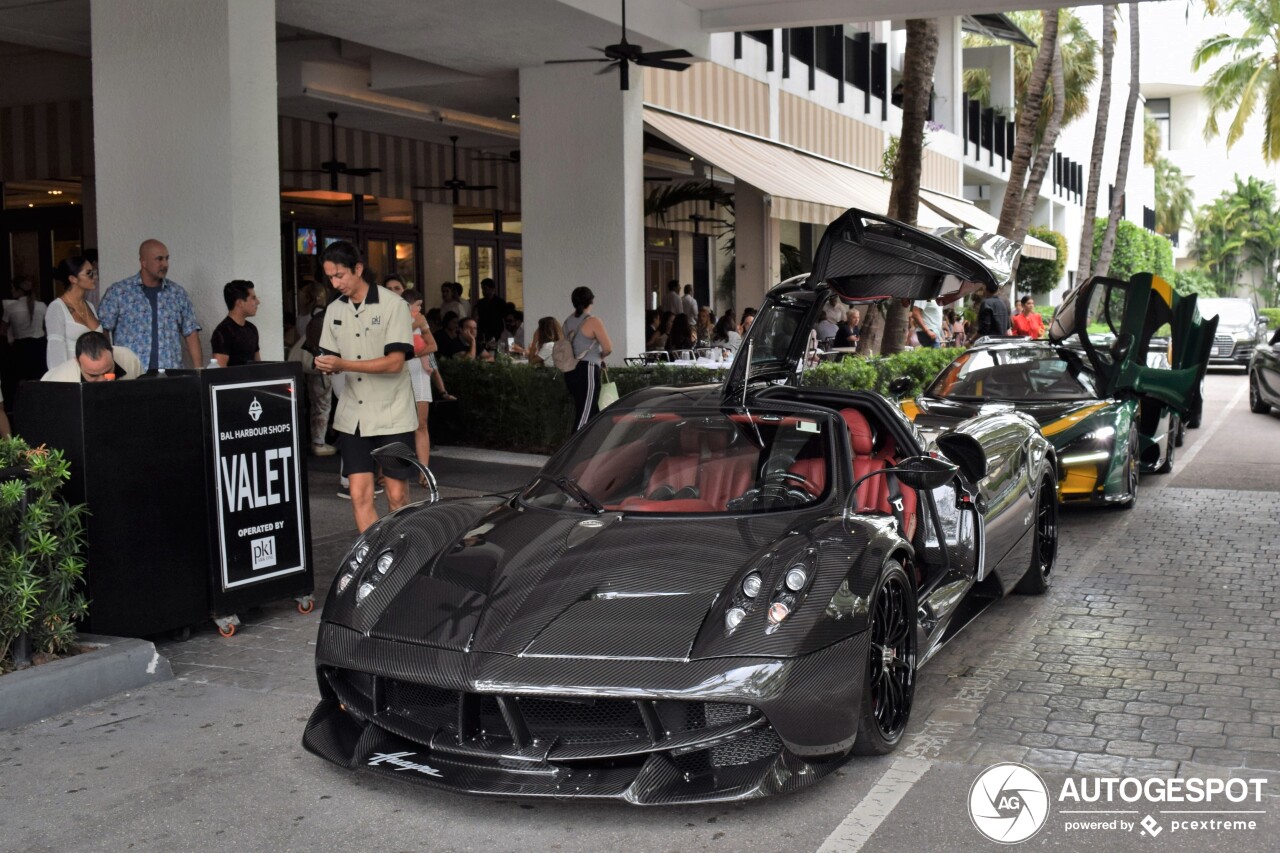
column 544, row 584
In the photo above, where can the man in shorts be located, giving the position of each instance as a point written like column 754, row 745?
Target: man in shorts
column 368, row 336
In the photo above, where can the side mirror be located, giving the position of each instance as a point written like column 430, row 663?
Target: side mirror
column 900, row 387
column 966, row 452
column 924, row 472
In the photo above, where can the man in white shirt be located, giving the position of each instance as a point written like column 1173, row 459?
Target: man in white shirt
column 926, row 319
column 96, row 361
column 690, row 305
column 671, row 302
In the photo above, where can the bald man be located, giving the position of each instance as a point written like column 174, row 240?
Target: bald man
column 152, row 315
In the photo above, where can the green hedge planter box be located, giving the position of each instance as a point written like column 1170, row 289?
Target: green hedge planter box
column 527, row 409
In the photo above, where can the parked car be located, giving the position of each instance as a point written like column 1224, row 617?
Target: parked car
column 1264, row 376
column 707, row 594
column 1101, row 441
column 1240, row 330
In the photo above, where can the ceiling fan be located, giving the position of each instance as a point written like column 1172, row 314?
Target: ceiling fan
column 622, row 54
column 510, row 157
column 334, row 167
column 455, row 184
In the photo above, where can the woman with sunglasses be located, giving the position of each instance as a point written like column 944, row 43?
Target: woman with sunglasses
column 71, row 314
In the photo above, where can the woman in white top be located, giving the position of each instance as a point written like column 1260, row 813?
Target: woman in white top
column 71, row 314
column 544, row 340
column 25, row 318
column 420, row 375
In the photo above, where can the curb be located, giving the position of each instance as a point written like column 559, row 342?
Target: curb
column 116, row 664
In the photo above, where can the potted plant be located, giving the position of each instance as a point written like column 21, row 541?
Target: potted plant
column 42, row 563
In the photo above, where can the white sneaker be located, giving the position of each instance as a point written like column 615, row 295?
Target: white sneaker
column 323, row 450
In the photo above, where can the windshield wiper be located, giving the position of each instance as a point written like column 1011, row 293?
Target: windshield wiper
column 570, row 487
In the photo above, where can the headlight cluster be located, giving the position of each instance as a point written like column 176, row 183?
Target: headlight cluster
column 786, row 595
column 358, row 565
column 1094, row 446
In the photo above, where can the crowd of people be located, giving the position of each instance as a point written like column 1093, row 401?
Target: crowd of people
column 373, row 350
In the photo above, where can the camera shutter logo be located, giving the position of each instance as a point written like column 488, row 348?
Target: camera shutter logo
column 1008, row 803
column 255, row 410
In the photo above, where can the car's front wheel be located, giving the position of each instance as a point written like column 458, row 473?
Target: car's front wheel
column 1131, row 472
column 1170, row 444
column 1257, row 405
column 890, row 684
column 1044, row 547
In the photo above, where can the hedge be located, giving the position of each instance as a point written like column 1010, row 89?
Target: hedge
column 1137, row 250
column 1271, row 315
column 527, row 409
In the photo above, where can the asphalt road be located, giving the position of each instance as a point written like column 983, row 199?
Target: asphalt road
column 1153, row 656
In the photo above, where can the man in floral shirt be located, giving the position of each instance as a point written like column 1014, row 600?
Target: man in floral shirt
column 152, row 315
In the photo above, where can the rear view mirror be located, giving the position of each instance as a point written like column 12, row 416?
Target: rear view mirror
column 924, row 472
column 966, row 452
column 900, row 386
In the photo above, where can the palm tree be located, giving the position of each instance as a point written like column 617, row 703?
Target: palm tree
column 1103, row 263
column 1251, row 79
column 904, row 196
column 1174, row 199
column 1079, row 52
column 1084, row 265
column 1029, row 109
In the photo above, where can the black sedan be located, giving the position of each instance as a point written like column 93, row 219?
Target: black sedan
column 708, row 594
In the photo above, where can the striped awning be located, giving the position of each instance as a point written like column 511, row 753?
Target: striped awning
column 971, row 216
column 803, row 188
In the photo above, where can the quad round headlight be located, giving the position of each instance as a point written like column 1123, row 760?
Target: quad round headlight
column 384, row 563
column 797, row 575
column 751, row 585
column 733, row 617
column 362, row 592
column 357, row 558
column 778, row 611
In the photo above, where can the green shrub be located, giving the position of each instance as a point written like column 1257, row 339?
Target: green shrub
column 1271, row 315
column 1137, row 250
column 41, row 545
column 1040, row 276
column 528, row 409
column 1194, row 281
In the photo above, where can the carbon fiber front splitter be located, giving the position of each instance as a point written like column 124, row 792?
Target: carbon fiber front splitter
column 339, row 736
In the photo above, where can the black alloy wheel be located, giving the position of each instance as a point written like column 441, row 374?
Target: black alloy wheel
column 1257, row 405
column 1044, row 547
column 1182, row 431
column 891, row 664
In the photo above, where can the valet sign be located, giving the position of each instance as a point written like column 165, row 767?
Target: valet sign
column 255, row 441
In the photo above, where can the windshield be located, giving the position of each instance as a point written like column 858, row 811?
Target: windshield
column 690, row 462
column 1230, row 312
column 1014, row 374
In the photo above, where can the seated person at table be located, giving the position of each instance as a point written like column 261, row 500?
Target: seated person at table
column 450, row 337
column 725, row 333
column 682, row 335
column 544, row 340
column 235, row 340
column 96, row 361
column 848, row 331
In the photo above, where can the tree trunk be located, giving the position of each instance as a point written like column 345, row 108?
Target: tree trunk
column 1044, row 154
column 904, row 197
column 1028, row 120
column 1126, row 144
column 1085, row 262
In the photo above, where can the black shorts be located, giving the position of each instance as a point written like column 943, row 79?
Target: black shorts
column 357, row 455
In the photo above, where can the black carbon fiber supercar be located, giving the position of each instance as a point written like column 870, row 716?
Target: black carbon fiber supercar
column 708, row 594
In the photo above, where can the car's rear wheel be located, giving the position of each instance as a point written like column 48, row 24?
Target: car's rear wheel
column 1182, row 431
column 1044, row 547
column 1257, row 405
column 889, row 690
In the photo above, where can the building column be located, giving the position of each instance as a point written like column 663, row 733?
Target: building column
column 757, row 241
column 185, row 148
column 582, row 193
column 437, row 249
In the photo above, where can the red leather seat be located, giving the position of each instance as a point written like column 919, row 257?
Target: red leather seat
column 814, row 472
column 719, row 474
column 873, row 494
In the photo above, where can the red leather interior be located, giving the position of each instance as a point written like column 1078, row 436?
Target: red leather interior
column 603, row 474
column 814, row 472
column 682, row 505
column 873, row 494
column 717, row 480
